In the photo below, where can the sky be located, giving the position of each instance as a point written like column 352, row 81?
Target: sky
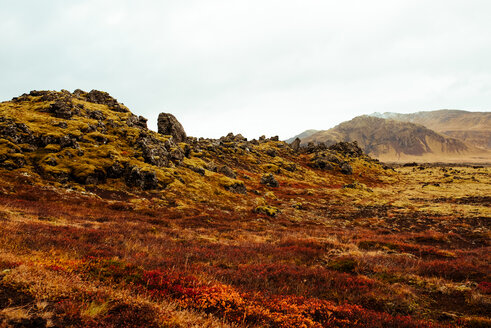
column 272, row 67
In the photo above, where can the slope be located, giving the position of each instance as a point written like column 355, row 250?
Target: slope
column 394, row 141
column 474, row 128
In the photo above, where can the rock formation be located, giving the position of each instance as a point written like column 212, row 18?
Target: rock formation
column 168, row 125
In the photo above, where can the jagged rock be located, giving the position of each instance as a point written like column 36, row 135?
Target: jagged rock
column 95, row 177
column 346, row 169
column 348, row 148
column 68, row 141
column 154, row 152
column 18, row 133
column 269, row 180
column 100, row 97
column 135, row 177
column 238, row 188
column 227, row 171
column 211, row 166
column 271, row 152
column 96, row 115
column 137, row 121
column 177, row 154
column 168, row 125
column 321, row 163
column 295, row 144
column 275, row 138
column 115, row 171
column 63, row 108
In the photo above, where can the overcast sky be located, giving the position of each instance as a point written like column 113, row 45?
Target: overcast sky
column 274, row 67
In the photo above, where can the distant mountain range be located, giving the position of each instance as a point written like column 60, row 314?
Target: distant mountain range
column 433, row 136
column 471, row 127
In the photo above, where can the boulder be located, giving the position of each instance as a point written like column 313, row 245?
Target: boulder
column 137, row 121
column 103, row 98
column 168, row 125
column 238, row 188
column 346, row 169
column 227, row 171
column 295, row 145
column 63, row 108
column 348, row 148
column 269, row 180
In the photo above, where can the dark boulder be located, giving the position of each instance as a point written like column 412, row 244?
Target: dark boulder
column 348, row 148
column 269, row 180
column 103, row 98
column 346, row 169
column 137, row 121
column 271, row 152
column 96, row 115
column 295, row 145
column 238, row 188
column 227, row 171
column 154, row 152
column 115, row 171
column 135, row 177
column 168, row 125
column 63, row 108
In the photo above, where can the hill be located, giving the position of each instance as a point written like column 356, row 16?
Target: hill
column 474, row 128
column 105, row 223
column 395, row 141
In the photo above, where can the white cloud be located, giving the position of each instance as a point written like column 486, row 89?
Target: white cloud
column 255, row 67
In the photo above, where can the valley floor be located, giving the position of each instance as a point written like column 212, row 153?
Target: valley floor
column 410, row 252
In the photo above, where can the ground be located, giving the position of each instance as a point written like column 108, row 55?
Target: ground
column 411, row 250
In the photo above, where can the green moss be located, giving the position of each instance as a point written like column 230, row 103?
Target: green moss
column 267, row 209
column 270, row 168
column 52, row 148
column 7, row 147
column 229, row 182
column 343, row 264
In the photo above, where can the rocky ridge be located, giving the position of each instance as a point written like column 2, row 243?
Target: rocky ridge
column 89, row 138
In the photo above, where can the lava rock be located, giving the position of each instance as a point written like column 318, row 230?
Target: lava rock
column 137, row 121
column 115, row 171
column 238, row 188
column 227, row 171
column 63, row 108
column 103, row 98
column 269, row 180
column 168, row 125
column 346, row 169
column 96, row 115
column 348, row 148
column 295, row 145
column 135, row 177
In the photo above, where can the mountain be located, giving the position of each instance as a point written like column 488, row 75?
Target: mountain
column 474, row 128
column 395, row 141
column 302, row 135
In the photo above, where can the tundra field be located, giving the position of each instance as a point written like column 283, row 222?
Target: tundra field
column 411, row 250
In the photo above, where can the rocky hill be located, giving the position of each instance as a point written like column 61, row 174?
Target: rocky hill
column 395, row 141
column 474, row 128
column 90, row 139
